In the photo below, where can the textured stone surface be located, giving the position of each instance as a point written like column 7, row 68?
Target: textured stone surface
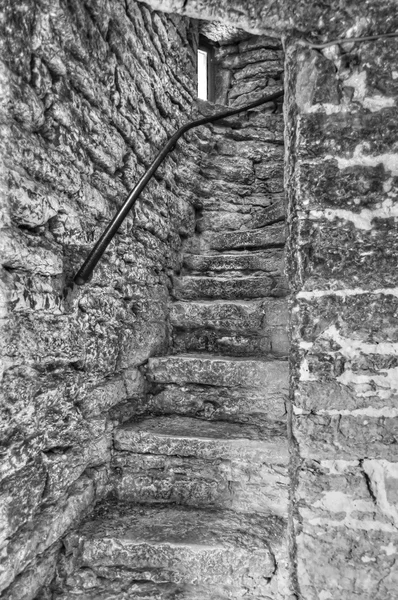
column 92, row 91
column 225, row 464
column 222, row 549
column 246, row 287
column 266, row 237
column 218, row 403
column 341, row 186
column 270, row 375
column 88, row 96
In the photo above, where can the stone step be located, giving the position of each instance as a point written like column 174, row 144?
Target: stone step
column 238, row 288
column 271, row 376
column 270, row 261
column 219, row 403
column 185, row 436
column 225, row 218
column 214, row 342
column 202, row 463
column 265, row 237
column 128, row 584
column 238, row 316
column 232, row 552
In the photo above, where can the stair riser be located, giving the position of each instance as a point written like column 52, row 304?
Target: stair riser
column 219, row 404
column 276, row 343
column 238, row 485
column 271, row 377
column 230, row 567
column 239, row 317
column 270, row 262
column 273, row 451
column 196, row 288
column 273, row 235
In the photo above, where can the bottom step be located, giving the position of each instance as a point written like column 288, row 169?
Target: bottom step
column 233, row 555
column 86, row 586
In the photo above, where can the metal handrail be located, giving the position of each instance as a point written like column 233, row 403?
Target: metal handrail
column 86, row 270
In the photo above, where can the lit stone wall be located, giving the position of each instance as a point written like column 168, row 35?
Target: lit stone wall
column 342, row 179
column 89, row 91
column 247, row 70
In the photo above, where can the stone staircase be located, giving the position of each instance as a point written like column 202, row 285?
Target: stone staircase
column 199, row 482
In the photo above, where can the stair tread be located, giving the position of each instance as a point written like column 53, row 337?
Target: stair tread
column 221, row 370
column 181, row 526
column 191, row 428
column 143, row 590
column 213, row 358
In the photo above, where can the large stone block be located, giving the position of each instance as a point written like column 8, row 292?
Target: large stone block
column 273, row 235
column 221, row 482
column 271, row 376
column 218, row 403
column 195, row 288
column 226, row 550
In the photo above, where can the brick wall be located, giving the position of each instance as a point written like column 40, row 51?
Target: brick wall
column 90, row 91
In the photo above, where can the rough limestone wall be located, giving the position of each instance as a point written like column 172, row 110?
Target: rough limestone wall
column 247, row 70
column 89, row 91
column 342, row 177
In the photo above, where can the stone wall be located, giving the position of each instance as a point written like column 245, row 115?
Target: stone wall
column 90, row 90
column 342, row 175
column 247, row 70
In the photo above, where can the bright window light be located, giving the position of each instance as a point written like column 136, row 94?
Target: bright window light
column 202, row 74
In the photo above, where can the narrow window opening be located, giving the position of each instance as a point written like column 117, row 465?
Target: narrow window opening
column 205, row 70
column 202, row 75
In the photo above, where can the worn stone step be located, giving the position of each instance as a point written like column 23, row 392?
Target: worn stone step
column 245, row 405
column 125, row 584
column 227, row 218
column 235, row 328
column 239, row 316
column 270, row 261
column 219, row 343
column 239, row 288
column 265, row 237
column 202, row 463
column 231, row 551
column 271, row 376
column 185, row 436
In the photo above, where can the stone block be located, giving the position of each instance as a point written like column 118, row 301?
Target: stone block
column 235, row 484
column 219, row 403
column 346, row 436
column 270, row 261
column 226, row 550
column 240, row 288
column 271, row 376
column 273, row 235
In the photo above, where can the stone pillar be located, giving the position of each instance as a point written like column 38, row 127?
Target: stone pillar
column 342, row 169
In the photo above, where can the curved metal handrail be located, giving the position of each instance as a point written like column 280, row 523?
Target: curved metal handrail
column 85, row 271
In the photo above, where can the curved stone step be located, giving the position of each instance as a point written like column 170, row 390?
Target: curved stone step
column 232, row 287
column 185, row 436
column 218, row 217
column 240, row 316
column 270, row 376
column 218, row 403
column 215, row 342
column 233, row 552
column 265, row 237
column 270, row 261
column 125, row 586
column 202, row 463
